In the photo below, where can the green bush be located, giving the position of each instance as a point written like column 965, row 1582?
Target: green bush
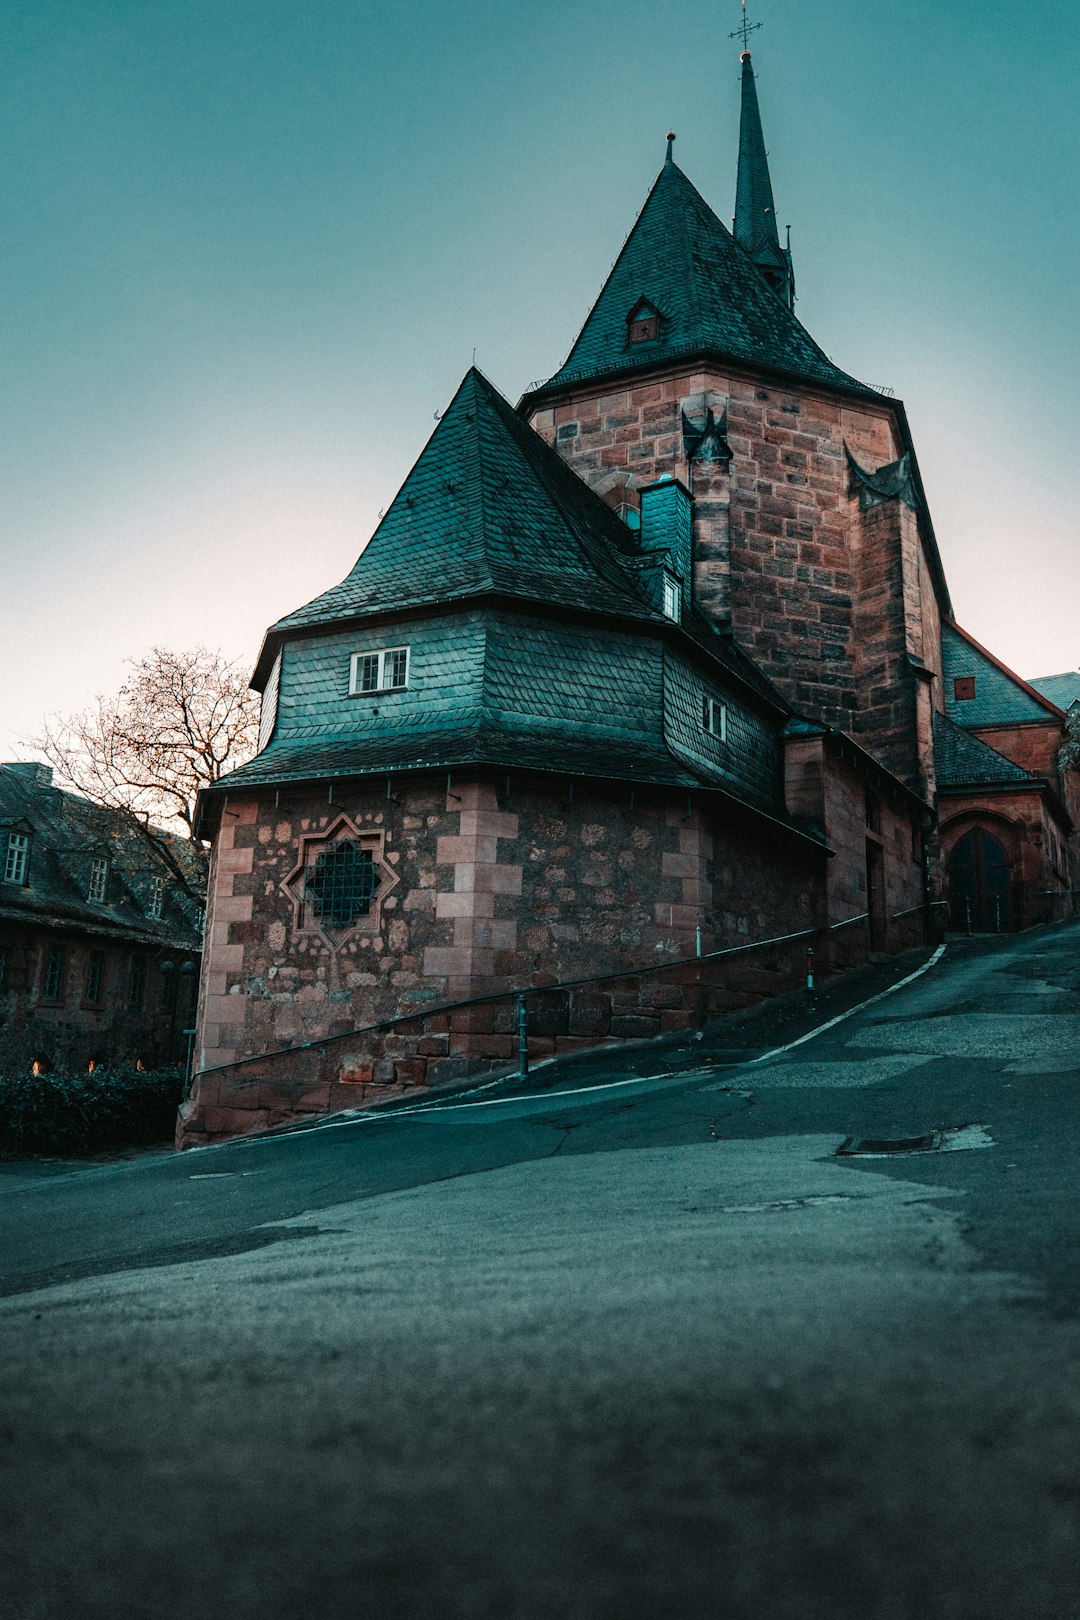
column 64, row 1115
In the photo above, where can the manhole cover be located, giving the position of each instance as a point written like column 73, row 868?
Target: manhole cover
column 857, row 1145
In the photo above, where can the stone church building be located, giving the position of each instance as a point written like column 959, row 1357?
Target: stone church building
column 658, row 663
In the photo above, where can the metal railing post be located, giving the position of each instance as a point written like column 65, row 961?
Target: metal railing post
column 810, row 977
column 523, row 1041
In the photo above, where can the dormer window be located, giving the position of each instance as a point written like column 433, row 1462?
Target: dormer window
column 963, row 688
column 384, row 671
column 643, row 323
column 672, row 599
column 155, row 898
column 99, row 879
column 17, row 857
column 714, row 718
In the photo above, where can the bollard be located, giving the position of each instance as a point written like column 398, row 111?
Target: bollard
column 968, row 905
column 697, row 941
column 810, row 977
column 523, row 1041
column 997, row 909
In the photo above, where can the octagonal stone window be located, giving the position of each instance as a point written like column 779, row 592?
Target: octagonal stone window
column 338, row 886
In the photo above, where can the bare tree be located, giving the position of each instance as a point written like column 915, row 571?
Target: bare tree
column 178, row 723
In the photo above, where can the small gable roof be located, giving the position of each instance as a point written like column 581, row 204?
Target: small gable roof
column 1001, row 696
column 683, row 260
column 1062, row 690
column 488, row 508
column 965, row 761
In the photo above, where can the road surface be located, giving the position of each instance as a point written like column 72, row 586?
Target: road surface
column 643, row 1349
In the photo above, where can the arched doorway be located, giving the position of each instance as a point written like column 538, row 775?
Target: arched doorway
column 979, row 884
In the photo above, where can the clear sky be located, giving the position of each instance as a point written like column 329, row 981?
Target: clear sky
column 250, row 247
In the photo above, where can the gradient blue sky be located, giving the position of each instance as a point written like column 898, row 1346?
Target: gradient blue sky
column 250, row 247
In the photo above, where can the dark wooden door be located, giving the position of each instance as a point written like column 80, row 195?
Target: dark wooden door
column 979, row 884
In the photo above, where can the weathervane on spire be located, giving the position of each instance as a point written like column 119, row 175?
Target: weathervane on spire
column 745, row 28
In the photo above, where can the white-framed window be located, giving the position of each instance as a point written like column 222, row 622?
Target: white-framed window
column 714, row 718
column 384, row 671
column 99, row 878
column 672, row 599
column 17, row 857
column 155, row 898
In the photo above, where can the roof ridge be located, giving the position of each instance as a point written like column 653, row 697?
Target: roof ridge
column 1025, row 686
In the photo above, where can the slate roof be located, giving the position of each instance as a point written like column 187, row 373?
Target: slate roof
column 587, row 757
column 965, row 761
column 66, row 833
column 1001, row 696
column 487, row 509
column 1062, row 690
column 709, row 293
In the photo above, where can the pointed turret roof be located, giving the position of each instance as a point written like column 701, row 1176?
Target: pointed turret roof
column 755, row 211
column 488, row 508
column 709, row 295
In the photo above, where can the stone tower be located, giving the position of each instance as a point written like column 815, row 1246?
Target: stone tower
column 812, row 546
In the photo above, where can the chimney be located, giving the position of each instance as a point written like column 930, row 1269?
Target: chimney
column 667, row 531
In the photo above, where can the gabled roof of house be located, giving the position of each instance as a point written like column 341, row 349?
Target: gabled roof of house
column 1062, row 690
column 1001, row 696
column 67, row 832
column 965, row 761
column 708, row 292
column 488, row 509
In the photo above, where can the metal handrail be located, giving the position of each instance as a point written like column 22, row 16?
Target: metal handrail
column 924, row 905
column 521, row 994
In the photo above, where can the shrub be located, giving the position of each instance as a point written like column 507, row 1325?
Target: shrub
column 65, row 1115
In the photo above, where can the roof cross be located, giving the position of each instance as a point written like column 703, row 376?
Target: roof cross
column 745, row 28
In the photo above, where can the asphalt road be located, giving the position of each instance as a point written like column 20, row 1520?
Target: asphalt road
column 650, row 1348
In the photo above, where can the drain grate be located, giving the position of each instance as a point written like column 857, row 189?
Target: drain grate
column 853, row 1146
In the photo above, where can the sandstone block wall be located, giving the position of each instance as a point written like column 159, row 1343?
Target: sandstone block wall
column 780, row 551
column 499, row 885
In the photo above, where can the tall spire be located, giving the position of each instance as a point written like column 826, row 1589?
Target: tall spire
column 755, row 212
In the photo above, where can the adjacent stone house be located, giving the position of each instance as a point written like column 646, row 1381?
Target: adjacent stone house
column 653, row 663
column 100, row 931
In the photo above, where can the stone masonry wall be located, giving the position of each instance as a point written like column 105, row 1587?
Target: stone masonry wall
column 496, row 887
column 68, row 1032
column 776, row 536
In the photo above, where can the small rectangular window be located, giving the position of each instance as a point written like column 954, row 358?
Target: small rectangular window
column 714, row 718
column 52, row 983
column 95, row 974
column 963, row 688
column 137, row 981
column 17, row 857
column 646, row 330
column 156, row 898
column 383, row 671
column 99, row 879
column 672, row 599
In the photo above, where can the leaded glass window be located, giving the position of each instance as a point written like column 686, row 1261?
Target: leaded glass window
column 341, row 884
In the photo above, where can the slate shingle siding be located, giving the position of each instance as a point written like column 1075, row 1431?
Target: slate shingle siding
column 577, row 680
column 749, row 761
column 998, row 698
column 446, row 669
